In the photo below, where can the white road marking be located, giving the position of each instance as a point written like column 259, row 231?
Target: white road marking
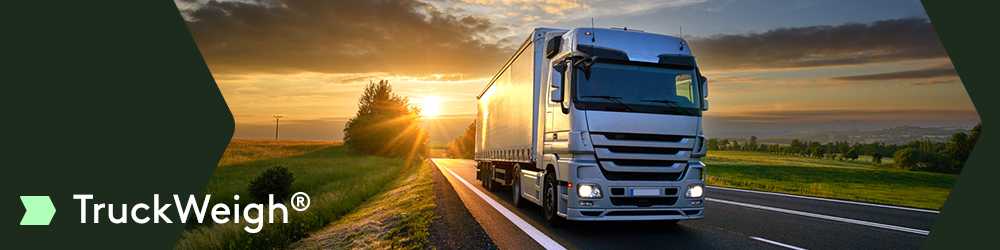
column 830, row 200
column 534, row 233
column 777, row 243
column 823, row 216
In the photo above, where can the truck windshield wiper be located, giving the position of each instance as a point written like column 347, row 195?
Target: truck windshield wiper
column 671, row 103
column 615, row 99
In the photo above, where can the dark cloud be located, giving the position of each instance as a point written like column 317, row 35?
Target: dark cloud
column 903, row 75
column 341, row 37
column 881, row 41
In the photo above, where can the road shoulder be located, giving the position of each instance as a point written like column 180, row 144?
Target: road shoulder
column 454, row 227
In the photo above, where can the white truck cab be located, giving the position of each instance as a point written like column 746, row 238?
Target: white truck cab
column 596, row 124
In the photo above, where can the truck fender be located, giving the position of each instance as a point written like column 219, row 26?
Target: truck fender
column 550, row 160
column 561, row 168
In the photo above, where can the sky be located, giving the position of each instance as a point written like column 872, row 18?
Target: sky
column 776, row 67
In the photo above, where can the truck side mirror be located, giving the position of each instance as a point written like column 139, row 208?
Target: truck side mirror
column 704, row 86
column 556, row 94
column 704, row 92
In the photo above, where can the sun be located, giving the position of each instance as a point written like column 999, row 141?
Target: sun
column 430, row 106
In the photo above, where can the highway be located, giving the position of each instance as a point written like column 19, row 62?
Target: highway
column 734, row 219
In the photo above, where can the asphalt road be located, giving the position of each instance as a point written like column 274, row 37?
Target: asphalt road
column 734, row 219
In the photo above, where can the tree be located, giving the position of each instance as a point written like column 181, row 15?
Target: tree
column 958, row 148
column 852, row 153
column 974, row 133
column 386, row 125
column 713, row 144
column 464, row 146
column 906, row 158
column 877, row 158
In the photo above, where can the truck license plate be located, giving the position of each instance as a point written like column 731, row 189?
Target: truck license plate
column 645, row 191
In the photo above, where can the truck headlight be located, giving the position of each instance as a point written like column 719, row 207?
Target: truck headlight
column 695, row 191
column 589, row 191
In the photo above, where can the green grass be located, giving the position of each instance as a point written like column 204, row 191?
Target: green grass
column 243, row 150
column 848, row 180
column 336, row 180
column 398, row 218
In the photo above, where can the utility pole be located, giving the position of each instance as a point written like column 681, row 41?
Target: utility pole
column 276, row 119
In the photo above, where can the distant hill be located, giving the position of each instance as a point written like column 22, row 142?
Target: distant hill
column 894, row 135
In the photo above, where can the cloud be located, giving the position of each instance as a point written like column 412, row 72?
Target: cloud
column 926, row 73
column 846, row 44
column 407, row 37
column 520, row 16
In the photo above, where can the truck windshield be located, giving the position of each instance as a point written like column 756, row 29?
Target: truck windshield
column 637, row 88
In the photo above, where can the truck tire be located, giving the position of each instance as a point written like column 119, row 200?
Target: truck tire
column 488, row 182
column 550, row 202
column 516, row 186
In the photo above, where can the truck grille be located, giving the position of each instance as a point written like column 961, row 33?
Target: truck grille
column 642, row 157
column 643, row 150
column 645, row 163
column 642, row 137
column 640, row 176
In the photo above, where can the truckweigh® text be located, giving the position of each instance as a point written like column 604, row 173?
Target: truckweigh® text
column 220, row 213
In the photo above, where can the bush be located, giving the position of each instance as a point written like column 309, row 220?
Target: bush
column 276, row 180
column 916, row 159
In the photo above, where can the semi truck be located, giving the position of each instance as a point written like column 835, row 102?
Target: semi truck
column 596, row 124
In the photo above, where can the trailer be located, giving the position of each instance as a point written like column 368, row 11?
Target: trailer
column 596, row 124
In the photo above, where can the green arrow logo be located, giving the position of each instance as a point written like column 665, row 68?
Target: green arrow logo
column 38, row 210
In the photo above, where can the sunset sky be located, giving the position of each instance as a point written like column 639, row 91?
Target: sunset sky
column 776, row 67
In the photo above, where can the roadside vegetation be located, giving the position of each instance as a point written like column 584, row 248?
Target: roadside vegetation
column 398, row 218
column 383, row 142
column 243, row 150
column 823, row 177
column 463, row 146
column 336, row 179
column 923, row 155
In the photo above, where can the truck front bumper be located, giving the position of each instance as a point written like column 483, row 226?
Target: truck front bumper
column 635, row 200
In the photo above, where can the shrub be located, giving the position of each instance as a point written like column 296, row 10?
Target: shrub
column 276, row 180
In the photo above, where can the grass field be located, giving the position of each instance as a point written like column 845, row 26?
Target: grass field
column 336, row 180
column 398, row 218
column 243, row 150
column 856, row 181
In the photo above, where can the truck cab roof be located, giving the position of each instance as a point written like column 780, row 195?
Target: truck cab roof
column 634, row 45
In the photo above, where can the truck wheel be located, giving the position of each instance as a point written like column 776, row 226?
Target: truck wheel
column 516, row 186
column 488, row 178
column 551, row 200
column 481, row 174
